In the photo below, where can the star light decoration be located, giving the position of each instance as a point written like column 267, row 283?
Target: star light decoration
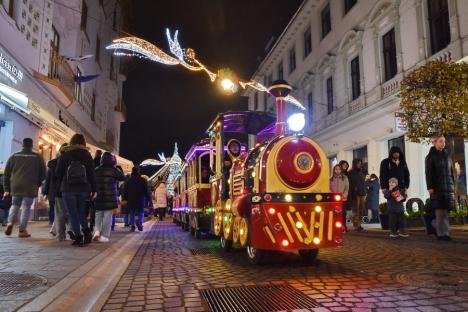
column 133, row 46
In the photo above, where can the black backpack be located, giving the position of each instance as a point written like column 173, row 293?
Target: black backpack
column 76, row 173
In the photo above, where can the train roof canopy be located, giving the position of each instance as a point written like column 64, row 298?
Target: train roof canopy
column 246, row 122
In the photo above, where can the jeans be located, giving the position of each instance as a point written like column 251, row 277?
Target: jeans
column 62, row 219
column 126, row 219
column 103, row 222
column 441, row 222
column 76, row 204
column 358, row 208
column 397, row 222
column 51, row 209
column 25, row 204
column 133, row 214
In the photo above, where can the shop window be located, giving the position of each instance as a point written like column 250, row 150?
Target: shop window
column 439, row 24
column 280, row 70
column 330, row 95
column 355, row 78
column 348, row 5
column 310, row 107
column 326, row 20
column 389, row 55
column 399, row 142
column 361, row 153
column 307, row 42
column 292, row 60
column 8, row 6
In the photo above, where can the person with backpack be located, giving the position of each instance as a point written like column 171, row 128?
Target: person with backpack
column 107, row 199
column 75, row 173
column 137, row 196
column 24, row 173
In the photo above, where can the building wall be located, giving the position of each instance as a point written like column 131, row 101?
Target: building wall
column 368, row 120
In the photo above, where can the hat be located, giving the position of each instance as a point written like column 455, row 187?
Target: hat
column 393, row 180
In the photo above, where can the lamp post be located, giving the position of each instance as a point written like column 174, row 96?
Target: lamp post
column 280, row 89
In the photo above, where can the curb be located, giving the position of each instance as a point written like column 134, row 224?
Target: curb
column 88, row 287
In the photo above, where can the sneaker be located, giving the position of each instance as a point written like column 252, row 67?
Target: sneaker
column 103, row 239
column 132, row 228
column 444, row 238
column 9, row 229
column 140, row 228
column 52, row 231
column 403, row 234
column 78, row 241
column 393, row 235
column 24, row 234
column 96, row 236
column 71, row 235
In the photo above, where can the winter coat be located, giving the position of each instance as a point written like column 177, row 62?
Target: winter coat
column 373, row 188
column 440, row 177
column 357, row 185
column 389, row 169
column 340, row 184
column 395, row 199
column 24, row 173
column 107, row 179
column 136, row 193
column 51, row 186
column 75, row 153
column 160, row 194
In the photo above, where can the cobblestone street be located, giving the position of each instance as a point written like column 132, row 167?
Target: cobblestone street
column 368, row 274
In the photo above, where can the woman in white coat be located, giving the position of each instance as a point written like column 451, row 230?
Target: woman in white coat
column 160, row 195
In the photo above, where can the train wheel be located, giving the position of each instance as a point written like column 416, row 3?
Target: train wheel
column 235, row 230
column 255, row 255
column 226, row 244
column 308, row 255
column 243, row 232
column 218, row 223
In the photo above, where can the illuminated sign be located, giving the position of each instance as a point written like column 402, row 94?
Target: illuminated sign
column 9, row 70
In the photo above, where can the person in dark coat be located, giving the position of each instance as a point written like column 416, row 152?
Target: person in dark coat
column 372, row 203
column 107, row 199
column 137, row 195
column 440, row 181
column 396, row 210
column 75, row 171
column 344, row 165
column 97, row 158
column 49, row 190
column 357, row 192
column 5, row 204
column 394, row 167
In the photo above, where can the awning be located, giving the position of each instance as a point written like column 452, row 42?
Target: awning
column 13, row 98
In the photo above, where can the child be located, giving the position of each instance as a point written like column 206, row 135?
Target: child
column 396, row 218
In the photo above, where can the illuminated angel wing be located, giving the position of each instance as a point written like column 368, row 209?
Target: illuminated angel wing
column 294, row 101
column 152, row 162
column 135, row 46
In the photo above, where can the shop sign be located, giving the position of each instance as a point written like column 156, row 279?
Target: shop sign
column 10, row 70
column 47, row 118
column 399, row 124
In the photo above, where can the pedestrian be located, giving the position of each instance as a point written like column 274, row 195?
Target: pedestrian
column 394, row 167
column 137, row 195
column 5, row 204
column 107, row 199
column 440, row 181
column 339, row 184
column 357, row 192
column 49, row 191
column 97, row 158
column 160, row 194
column 124, row 209
column 24, row 173
column 396, row 211
column 344, row 165
column 372, row 202
column 75, row 172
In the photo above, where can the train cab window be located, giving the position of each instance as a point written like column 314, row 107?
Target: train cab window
column 204, row 165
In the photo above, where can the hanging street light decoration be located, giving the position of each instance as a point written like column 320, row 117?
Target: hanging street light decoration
column 133, row 46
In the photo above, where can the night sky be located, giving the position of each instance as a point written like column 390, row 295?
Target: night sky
column 168, row 104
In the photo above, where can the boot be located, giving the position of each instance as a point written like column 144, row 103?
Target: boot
column 24, row 234
column 78, row 241
column 132, row 229
column 71, row 235
column 9, row 229
column 88, row 236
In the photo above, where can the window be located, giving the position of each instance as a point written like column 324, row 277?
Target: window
column 255, row 101
column 54, row 53
column 389, row 54
column 400, row 142
column 333, row 161
column 292, row 60
column 114, row 20
column 280, row 70
column 348, row 4
column 355, row 78
column 361, row 153
column 330, row 95
column 77, row 90
column 8, row 6
column 326, row 20
column 438, row 24
column 307, row 42
column 112, row 71
column 84, row 16
column 97, row 57
column 93, row 107
column 310, row 107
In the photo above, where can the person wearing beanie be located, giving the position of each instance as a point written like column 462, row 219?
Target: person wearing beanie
column 396, row 211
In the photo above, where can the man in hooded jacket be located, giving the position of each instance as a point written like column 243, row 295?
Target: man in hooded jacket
column 394, row 167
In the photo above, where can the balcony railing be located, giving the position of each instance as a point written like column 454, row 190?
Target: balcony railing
column 63, row 73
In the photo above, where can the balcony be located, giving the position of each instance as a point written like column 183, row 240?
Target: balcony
column 60, row 81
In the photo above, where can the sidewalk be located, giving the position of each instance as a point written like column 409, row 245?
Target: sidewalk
column 53, row 275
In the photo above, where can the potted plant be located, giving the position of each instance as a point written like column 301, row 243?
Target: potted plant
column 383, row 216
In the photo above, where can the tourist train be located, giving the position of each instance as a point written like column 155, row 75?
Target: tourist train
column 275, row 196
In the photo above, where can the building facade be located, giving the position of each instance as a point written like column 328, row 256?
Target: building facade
column 49, row 54
column 345, row 60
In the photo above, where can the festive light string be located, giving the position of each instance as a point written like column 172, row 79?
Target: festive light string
column 133, row 46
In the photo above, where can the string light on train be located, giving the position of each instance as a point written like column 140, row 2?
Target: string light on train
column 133, row 46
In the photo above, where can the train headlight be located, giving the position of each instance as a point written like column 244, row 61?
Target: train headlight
column 296, row 122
